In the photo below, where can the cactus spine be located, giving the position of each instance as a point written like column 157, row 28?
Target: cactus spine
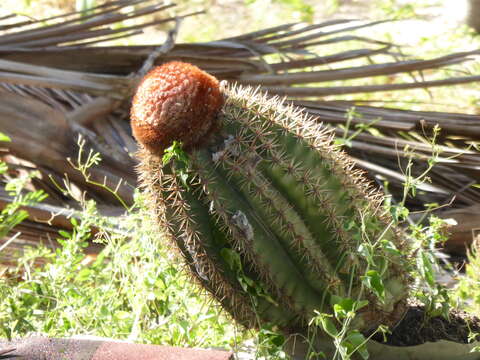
column 271, row 219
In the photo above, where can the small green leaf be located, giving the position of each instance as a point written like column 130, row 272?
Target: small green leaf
column 343, row 142
column 360, row 304
column 74, row 221
column 358, row 342
column 342, row 307
column 365, row 250
column 374, row 132
column 3, row 167
column 83, row 275
column 475, row 349
column 399, row 213
column 426, row 268
column 4, row 138
column 374, row 282
column 328, row 326
column 65, row 234
column 390, row 247
column 346, row 307
column 104, row 311
column 175, row 151
column 232, row 259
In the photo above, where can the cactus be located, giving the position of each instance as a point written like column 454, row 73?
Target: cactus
column 271, row 218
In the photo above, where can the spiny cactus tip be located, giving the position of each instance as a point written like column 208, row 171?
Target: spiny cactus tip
column 175, row 101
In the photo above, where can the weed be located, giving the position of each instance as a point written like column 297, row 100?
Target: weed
column 134, row 289
column 423, row 263
column 468, row 287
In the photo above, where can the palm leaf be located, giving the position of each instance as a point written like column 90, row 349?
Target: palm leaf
column 58, row 82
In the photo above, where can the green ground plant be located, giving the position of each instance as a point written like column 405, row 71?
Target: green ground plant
column 468, row 287
column 424, row 240
column 12, row 214
column 134, row 289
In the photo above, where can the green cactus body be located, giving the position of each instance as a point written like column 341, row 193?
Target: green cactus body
column 274, row 221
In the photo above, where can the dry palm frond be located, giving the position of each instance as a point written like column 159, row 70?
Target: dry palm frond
column 57, row 83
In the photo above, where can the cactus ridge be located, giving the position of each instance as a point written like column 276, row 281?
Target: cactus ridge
column 182, row 216
column 287, row 224
column 270, row 187
column 294, row 176
column 267, row 256
column 285, row 172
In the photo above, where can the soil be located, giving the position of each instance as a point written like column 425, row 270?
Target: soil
column 417, row 328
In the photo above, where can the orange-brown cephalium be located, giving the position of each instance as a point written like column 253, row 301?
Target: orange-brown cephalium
column 175, row 101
